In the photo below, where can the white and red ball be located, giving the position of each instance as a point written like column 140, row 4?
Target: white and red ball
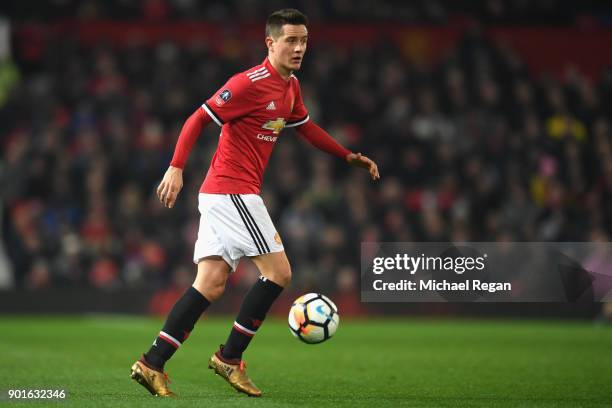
column 313, row 318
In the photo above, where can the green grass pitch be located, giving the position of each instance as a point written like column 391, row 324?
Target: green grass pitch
column 371, row 363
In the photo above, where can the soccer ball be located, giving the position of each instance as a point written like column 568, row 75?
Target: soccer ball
column 313, row 318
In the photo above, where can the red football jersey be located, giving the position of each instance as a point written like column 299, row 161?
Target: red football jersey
column 252, row 109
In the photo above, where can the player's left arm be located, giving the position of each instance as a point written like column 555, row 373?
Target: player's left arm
column 323, row 141
column 319, row 138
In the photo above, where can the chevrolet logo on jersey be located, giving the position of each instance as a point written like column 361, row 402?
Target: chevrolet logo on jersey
column 275, row 125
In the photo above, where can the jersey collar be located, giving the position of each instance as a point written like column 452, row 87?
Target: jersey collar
column 273, row 72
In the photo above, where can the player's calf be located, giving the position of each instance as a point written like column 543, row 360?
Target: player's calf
column 251, row 316
column 178, row 326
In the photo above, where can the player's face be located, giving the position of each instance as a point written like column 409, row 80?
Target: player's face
column 289, row 48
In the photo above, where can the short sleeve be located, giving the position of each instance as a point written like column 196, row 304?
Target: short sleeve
column 232, row 101
column 299, row 114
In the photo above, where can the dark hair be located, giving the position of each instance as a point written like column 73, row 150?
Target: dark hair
column 278, row 19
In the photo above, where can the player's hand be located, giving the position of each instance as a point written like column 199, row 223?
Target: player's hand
column 357, row 159
column 170, row 186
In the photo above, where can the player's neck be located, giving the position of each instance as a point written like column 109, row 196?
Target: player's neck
column 283, row 72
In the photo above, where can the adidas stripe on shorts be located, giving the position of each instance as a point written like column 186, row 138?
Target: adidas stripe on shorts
column 233, row 226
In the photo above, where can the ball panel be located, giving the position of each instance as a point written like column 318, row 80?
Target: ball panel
column 318, row 311
column 293, row 323
column 297, row 315
column 331, row 304
column 306, row 298
column 312, row 334
column 332, row 326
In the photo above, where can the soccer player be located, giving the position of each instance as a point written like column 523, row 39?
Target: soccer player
column 252, row 109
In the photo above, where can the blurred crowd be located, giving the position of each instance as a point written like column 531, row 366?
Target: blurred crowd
column 417, row 11
column 473, row 148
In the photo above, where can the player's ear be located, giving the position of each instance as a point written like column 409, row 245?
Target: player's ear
column 270, row 43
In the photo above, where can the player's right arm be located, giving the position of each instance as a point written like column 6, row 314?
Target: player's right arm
column 172, row 183
column 233, row 100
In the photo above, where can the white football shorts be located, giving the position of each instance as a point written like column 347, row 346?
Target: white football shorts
column 233, row 226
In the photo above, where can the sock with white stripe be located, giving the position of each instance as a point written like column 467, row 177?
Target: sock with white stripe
column 252, row 314
column 180, row 322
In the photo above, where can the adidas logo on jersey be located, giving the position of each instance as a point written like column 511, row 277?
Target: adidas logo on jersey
column 271, row 106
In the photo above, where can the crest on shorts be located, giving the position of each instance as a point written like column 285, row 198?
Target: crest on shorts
column 277, row 239
column 224, row 96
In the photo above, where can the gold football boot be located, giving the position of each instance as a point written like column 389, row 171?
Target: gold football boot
column 234, row 373
column 154, row 381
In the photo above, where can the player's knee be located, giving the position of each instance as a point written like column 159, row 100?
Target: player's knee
column 211, row 278
column 274, row 266
column 283, row 275
column 213, row 291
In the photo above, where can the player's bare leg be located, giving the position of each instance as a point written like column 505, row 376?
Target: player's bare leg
column 208, row 286
column 227, row 361
column 275, row 267
column 212, row 277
